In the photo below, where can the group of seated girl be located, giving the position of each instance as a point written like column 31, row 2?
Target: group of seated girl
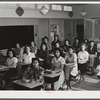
column 67, row 59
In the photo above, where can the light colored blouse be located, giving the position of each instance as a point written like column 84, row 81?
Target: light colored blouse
column 58, row 63
column 83, row 57
column 72, row 59
column 12, row 62
column 98, row 47
column 27, row 58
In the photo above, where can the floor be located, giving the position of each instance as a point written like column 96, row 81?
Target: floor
column 90, row 83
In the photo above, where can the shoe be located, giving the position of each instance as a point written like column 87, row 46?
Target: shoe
column 65, row 86
column 42, row 89
column 83, row 78
column 2, row 84
column 68, row 84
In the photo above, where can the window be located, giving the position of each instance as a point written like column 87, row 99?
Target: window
column 67, row 8
column 56, row 7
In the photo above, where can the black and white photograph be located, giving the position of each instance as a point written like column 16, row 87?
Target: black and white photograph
column 49, row 46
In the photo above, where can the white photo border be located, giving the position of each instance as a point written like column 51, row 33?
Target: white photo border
column 50, row 94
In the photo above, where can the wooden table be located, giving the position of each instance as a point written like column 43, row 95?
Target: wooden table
column 51, row 78
column 19, row 85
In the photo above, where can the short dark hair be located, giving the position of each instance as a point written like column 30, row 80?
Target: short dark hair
column 70, row 47
column 25, row 49
column 83, row 44
column 57, row 49
column 46, row 38
column 43, row 44
column 91, row 41
column 85, row 40
column 11, row 51
column 55, row 36
column 34, row 43
column 66, row 40
column 35, row 59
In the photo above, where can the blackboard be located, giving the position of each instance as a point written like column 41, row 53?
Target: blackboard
column 10, row 35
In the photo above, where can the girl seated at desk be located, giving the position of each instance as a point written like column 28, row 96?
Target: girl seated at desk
column 33, row 48
column 83, row 57
column 11, row 64
column 26, row 58
column 34, row 71
column 43, row 56
column 57, row 66
column 70, row 66
column 17, row 50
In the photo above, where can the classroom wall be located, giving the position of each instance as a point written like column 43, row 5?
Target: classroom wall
column 91, row 9
column 10, row 12
column 70, row 28
column 42, row 23
column 41, row 26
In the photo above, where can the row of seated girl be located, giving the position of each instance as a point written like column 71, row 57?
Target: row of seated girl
column 67, row 65
column 91, row 48
column 26, row 54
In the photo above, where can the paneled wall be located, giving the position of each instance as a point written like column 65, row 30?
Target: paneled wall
column 92, row 29
column 70, row 31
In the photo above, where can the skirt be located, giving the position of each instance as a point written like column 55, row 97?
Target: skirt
column 59, row 83
column 82, row 68
column 91, row 59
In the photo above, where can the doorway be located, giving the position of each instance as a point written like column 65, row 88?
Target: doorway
column 80, row 32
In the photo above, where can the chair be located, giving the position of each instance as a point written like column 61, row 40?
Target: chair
column 18, row 73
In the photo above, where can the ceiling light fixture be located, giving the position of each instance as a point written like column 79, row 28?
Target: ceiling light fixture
column 83, row 12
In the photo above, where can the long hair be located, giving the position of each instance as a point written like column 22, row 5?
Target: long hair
column 25, row 49
column 42, row 45
column 11, row 51
column 65, row 41
column 56, row 36
column 34, row 43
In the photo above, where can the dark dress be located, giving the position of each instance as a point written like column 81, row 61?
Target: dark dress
column 93, row 50
column 53, row 44
column 65, row 47
column 76, row 47
column 17, row 51
column 93, row 60
column 45, row 56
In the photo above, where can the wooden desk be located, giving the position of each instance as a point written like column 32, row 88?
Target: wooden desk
column 19, row 85
column 51, row 78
